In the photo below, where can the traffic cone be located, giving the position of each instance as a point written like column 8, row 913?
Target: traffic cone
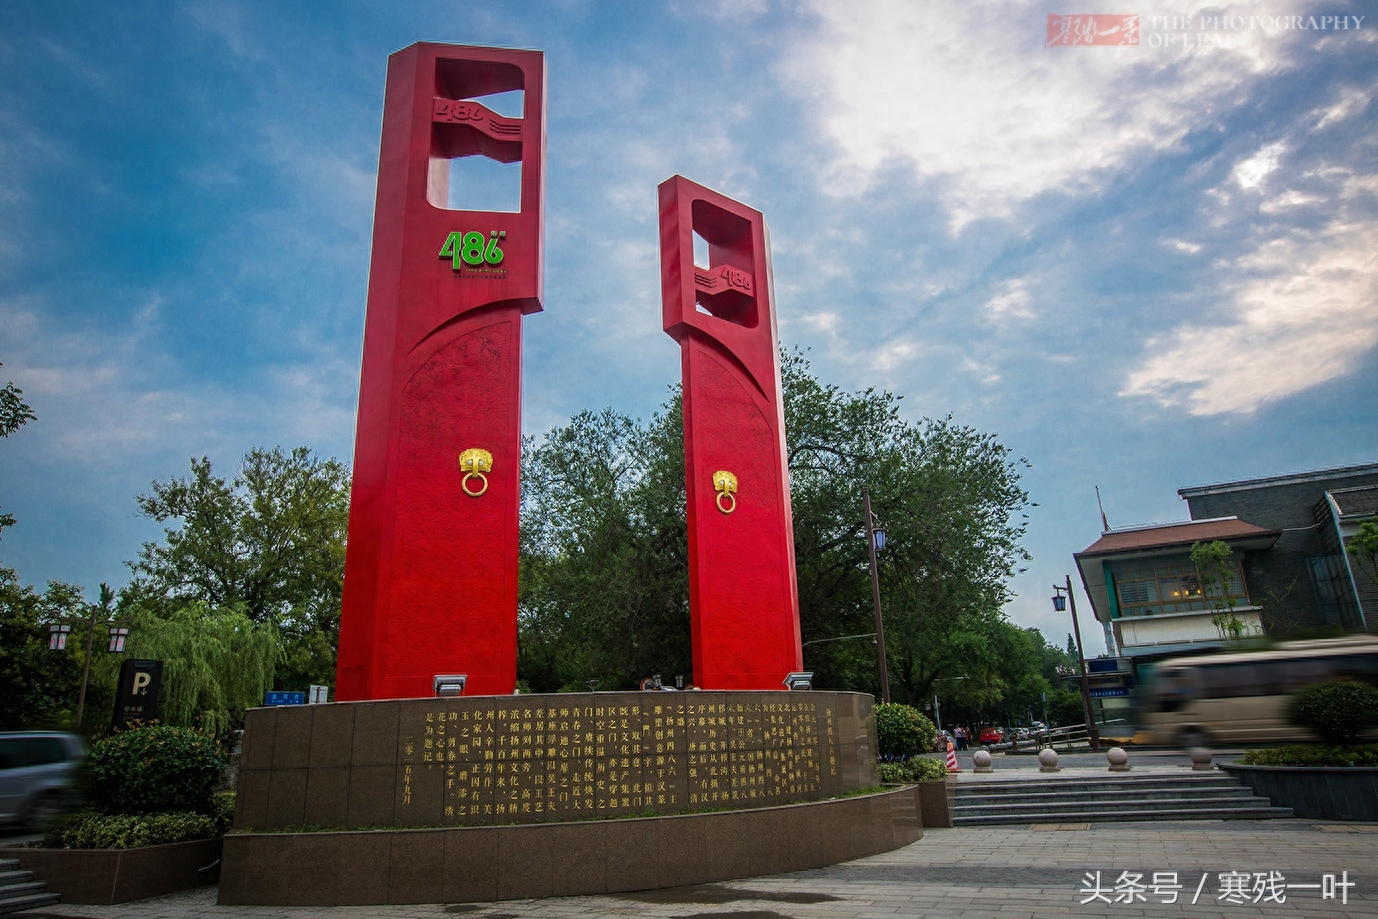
column 952, row 758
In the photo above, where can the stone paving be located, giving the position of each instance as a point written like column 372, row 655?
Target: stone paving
column 1019, row 872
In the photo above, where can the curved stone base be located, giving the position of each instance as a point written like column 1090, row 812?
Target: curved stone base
column 122, row 875
column 1315, row 792
column 482, row 863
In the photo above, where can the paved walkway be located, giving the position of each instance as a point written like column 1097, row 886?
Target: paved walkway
column 1008, row 872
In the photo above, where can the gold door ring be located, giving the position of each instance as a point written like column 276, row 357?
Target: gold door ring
column 725, row 484
column 474, row 463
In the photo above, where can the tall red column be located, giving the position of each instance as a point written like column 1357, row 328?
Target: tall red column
column 431, row 568
column 743, row 598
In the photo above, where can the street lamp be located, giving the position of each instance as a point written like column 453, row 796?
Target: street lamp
column 59, row 632
column 1060, row 604
column 57, row 637
column 875, row 539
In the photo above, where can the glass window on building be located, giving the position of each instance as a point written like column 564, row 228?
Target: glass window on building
column 1175, row 589
column 1334, row 596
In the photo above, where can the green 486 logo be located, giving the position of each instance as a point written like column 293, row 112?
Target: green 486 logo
column 472, row 249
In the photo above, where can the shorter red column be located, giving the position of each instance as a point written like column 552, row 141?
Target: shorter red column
column 743, row 598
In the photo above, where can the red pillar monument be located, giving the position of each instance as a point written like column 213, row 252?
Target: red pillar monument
column 430, row 583
column 743, row 598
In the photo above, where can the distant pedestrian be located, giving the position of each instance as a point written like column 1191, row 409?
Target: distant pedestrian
column 961, row 737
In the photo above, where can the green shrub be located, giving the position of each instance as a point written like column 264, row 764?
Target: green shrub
column 1338, row 712
column 1312, row 755
column 917, row 769
column 902, row 730
column 893, row 773
column 94, row 830
column 222, row 809
column 155, row 769
column 926, row 770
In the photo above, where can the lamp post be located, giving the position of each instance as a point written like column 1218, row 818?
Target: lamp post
column 936, row 710
column 875, row 537
column 1059, row 605
column 57, row 641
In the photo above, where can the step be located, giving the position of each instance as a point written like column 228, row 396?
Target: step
column 1106, row 795
column 1107, row 781
column 1244, row 813
column 8, row 864
column 1136, row 804
column 14, row 876
column 23, row 888
column 29, row 902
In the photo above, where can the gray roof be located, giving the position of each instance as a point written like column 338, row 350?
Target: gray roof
column 1356, row 502
column 1315, row 475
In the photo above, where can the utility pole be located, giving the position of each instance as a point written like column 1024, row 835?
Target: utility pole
column 1092, row 732
column 875, row 594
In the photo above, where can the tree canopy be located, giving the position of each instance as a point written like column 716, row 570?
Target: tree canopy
column 38, row 688
column 604, row 580
column 14, row 414
column 269, row 543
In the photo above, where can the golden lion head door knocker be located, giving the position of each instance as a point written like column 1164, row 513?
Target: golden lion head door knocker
column 475, row 464
column 725, row 484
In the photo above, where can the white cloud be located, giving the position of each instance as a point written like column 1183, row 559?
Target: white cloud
column 1251, row 172
column 966, row 95
column 1181, row 245
column 1304, row 317
column 103, row 397
column 1011, row 303
column 1350, row 102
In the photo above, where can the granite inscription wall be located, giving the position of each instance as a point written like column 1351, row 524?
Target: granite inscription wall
column 541, row 758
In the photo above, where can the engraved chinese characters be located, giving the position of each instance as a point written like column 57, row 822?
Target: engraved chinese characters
column 517, row 761
column 538, row 758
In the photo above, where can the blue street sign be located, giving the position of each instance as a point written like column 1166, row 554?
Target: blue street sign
column 284, row 698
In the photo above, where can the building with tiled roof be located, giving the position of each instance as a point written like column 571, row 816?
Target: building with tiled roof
column 1288, row 573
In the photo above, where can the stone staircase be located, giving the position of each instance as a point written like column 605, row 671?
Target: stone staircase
column 1147, row 796
column 18, row 889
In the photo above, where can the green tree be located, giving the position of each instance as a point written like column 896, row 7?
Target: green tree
column 1215, row 573
column 216, row 662
column 1363, row 545
column 14, row 414
column 949, row 499
column 270, row 542
column 38, row 687
column 604, row 560
column 604, row 591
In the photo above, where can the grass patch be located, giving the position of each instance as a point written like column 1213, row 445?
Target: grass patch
column 872, row 790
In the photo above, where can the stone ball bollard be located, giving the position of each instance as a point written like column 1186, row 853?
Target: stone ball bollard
column 1047, row 760
column 1119, row 760
column 981, row 759
column 1201, row 759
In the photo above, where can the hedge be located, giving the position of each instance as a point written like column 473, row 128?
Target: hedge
column 1312, row 755
column 155, row 769
column 1339, row 712
column 902, row 730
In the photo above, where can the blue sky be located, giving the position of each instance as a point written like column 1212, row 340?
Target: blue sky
column 1142, row 268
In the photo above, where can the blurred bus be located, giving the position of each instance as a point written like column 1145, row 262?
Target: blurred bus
column 1246, row 697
